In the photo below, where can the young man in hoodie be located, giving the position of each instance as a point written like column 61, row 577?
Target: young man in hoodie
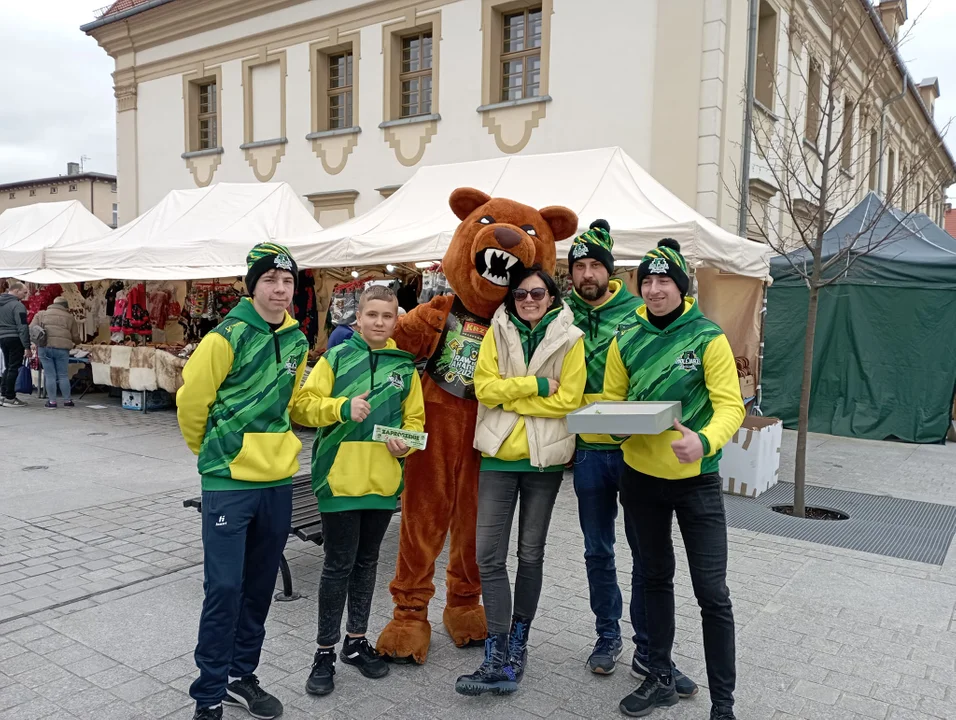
column 674, row 353
column 362, row 382
column 602, row 308
column 234, row 414
column 14, row 342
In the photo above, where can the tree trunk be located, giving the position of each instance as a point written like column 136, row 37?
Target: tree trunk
column 803, row 425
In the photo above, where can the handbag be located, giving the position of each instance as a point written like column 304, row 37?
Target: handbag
column 38, row 335
column 24, row 385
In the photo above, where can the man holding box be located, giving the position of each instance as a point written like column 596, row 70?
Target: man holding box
column 674, row 353
column 602, row 308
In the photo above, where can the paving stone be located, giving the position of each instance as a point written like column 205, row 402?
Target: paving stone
column 864, row 706
column 814, row 691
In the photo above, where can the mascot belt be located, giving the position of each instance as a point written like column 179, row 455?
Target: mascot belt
column 452, row 367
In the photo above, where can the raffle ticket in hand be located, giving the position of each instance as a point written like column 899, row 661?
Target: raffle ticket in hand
column 383, row 433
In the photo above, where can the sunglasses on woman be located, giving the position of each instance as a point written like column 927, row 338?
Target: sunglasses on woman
column 535, row 293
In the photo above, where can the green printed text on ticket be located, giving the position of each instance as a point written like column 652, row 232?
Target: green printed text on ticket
column 417, row 440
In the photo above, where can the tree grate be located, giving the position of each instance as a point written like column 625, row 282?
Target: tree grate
column 879, row 524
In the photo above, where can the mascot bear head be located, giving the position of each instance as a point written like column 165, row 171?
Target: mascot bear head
column 494, row 237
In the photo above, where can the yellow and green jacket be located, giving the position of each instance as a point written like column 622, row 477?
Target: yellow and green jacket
column 689, row 361
column 350, row 471
column 600, row 325
column 233, row 407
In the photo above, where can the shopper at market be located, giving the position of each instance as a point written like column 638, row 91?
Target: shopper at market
column 234, row 413
column 60, row 335
column 361, row 383
column 674, row 353
column 530, row 375
column 14, row 342
column 603, row 307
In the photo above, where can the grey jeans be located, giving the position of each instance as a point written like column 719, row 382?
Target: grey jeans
column 498, row 495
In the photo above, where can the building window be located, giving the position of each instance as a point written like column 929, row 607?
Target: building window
column 340, row 91
column 765, row 87
column 208, row 116
column 874, row 158
column 203, row 110
column 415, row 78
column 521, row 55
column 73, row 187
column 846, row 151
column 115, row 214
column 813, row 102
column 33, row 193
column 13, row 196
column 53, row 190
column 113, row 187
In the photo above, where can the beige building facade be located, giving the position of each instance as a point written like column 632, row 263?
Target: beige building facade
column 96, row 191
column 344, row 99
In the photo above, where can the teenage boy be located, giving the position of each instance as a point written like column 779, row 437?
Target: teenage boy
column 602, row 308
column 360, row 383
column 234, row 414
column 675, row 353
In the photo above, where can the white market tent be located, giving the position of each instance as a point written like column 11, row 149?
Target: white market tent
column 416, row 224
column 189, row 235
column 27, row 232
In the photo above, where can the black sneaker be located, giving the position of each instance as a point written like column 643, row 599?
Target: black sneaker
column 717, row 713
column 495, row 675
column 208, row 713
column 652, row 693
column 639, row 669
column 683, row 685
column 15, row 403
column 603, row 659
column 246, row 693
column 321, row 680
column 360, row 653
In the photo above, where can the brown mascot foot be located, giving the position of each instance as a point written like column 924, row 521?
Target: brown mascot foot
column 466, row 624
column 406, row 640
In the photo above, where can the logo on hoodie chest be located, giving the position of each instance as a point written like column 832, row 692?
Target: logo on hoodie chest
column 688, row 361
column 292, row 366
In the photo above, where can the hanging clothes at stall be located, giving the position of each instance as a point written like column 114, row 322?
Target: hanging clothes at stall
column 306, row 307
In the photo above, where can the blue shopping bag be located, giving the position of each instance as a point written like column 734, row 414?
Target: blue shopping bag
column 24, row 380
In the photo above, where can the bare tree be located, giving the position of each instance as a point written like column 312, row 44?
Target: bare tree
column 824, row 145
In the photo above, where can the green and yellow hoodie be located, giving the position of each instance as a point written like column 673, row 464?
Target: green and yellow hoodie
column 350, row 471
column 233, row 407
column 689, row 361
column 600, row 325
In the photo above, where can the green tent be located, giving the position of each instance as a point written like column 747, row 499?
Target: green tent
column 884, row 360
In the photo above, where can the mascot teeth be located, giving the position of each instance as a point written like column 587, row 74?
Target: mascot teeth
column 498, row 264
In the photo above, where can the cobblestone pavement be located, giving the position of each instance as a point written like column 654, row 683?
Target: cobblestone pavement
column 101, row 584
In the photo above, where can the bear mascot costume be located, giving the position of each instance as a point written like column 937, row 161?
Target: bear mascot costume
column 441, row 483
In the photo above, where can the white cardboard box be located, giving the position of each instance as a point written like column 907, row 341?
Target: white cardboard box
column 751, row 460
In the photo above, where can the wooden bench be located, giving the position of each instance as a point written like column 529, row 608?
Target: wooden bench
column 306, row 525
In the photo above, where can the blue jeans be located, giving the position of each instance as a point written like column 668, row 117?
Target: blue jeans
column 56, row 364
column 243, row 536
column 597, row 483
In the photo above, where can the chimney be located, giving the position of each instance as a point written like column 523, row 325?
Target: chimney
column 72, row 168
column 928, row 92
column 893, row 15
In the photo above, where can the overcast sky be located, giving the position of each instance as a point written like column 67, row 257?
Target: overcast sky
column 56, row 93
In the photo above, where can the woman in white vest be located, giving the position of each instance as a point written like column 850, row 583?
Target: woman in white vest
column 530, row 375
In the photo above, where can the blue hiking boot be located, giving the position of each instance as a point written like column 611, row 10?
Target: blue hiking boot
column 518, row 647
column 495, row 675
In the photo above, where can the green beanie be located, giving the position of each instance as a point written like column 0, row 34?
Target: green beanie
column 596, row 244
column 665, row 259
column 265, row 257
